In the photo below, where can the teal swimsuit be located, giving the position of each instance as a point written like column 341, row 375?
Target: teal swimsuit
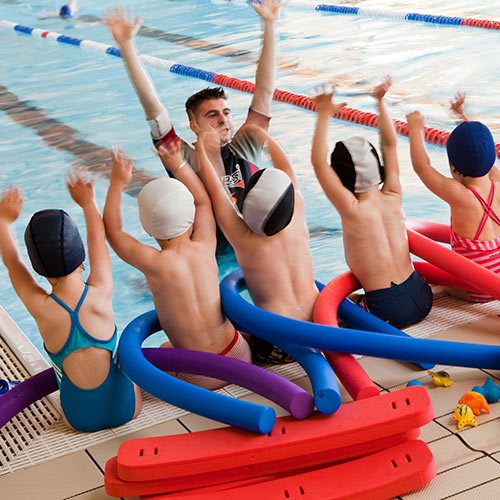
column 109, row 405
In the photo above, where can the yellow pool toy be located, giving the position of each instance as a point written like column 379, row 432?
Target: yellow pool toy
column 441, row 378
column 464, row 416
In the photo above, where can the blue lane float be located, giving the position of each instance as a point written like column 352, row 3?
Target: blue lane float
column 249, row 416
column 273, row 328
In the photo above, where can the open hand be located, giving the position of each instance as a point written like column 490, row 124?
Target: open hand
column 80, row 187
column 268, row 10
column 380, row 90
column 324, row 102
column 121, row 171
column 121, row 25
column 171, row 155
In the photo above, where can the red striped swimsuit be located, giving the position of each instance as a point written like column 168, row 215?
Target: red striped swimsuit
column 485, row 253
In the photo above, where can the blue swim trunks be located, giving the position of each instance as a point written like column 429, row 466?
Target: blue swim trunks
column 401, row 305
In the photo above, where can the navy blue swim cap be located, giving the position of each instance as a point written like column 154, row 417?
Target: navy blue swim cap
column 65, row 11
column 54, row 245
column 471, row 149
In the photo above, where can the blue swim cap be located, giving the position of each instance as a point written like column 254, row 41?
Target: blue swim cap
column 471, row 149
column 54, row 245
column 65, row 11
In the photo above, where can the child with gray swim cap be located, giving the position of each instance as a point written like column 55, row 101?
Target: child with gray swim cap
column 472, row 191
column 268, row 232
column 182, row 271
column 368, row 198
column 76, row 319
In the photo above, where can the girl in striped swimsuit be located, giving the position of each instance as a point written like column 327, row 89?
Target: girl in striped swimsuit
column 472, row 192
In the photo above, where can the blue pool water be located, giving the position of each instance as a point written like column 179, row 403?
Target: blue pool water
column 63, row 105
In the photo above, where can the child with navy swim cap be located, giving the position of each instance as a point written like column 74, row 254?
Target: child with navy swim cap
column 374, row 234
column 471, row 192
column 76, row 319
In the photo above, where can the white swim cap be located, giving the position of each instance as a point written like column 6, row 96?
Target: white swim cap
column 268, row 201
column 166, row 208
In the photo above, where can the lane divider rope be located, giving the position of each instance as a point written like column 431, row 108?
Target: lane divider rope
column 431, row 135
column 404, row 16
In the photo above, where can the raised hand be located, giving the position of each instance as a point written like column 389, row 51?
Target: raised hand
column 80, row 187
column 324, row 102
column 457, row 105
column 415, row 120
column 268, row 10
column 380, row 90
column 11, row 204
column 121, row 170
column 171, row 155
column 119, row 21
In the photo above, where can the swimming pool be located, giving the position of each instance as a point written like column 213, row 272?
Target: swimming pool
column 64, row 105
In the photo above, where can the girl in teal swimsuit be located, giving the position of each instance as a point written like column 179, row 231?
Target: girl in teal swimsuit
column 95, row 393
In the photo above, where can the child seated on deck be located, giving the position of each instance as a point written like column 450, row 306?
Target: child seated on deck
column 76, row 319
column 182, row 274
column 268, row 233
column 375, row 243
column 472, row 191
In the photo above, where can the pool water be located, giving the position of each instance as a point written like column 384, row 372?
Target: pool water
column 63, row 105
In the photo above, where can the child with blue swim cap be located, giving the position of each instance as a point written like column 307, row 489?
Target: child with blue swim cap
column 368, row 197
column 472, row 192
column 76, row 319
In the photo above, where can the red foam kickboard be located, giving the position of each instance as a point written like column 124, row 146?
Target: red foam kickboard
column 229, row 448
column 379, row 476
column 239, row 476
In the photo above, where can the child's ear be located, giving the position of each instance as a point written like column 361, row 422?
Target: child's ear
column 194, row 127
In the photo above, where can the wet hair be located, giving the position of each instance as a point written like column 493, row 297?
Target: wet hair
column 193, row 103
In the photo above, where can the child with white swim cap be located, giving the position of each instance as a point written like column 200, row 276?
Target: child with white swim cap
column 269, row 235
column 182, row 273
column 472, row 191
column 76, row 319
column 375, row 243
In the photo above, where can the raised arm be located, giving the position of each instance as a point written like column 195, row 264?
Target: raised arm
column 388, row 142
column 126, row 246
column 444, row 187
column 124, row 31
column 268, row 10
column 204, row 221
column 209, row 159
column 22, row 280
column 82, row 192
column 340, row 197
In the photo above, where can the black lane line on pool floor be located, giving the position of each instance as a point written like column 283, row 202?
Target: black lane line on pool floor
column 58, row 135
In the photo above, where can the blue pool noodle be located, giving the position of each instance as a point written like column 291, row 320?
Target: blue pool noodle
column 358, row 318
column 232, row 411
column 272, row 327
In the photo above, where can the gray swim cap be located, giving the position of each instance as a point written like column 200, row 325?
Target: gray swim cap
column 268, row 201
column 166, row 208
column 357, row 164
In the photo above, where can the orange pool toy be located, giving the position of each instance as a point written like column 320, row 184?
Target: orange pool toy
column 476, row 402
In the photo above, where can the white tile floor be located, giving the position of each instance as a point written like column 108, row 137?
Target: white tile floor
column 468, row 460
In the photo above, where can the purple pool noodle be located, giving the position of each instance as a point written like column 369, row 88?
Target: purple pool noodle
column 288, row 395
column 27, row 392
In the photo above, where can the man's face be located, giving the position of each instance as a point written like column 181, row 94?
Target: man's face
column 216, row 114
